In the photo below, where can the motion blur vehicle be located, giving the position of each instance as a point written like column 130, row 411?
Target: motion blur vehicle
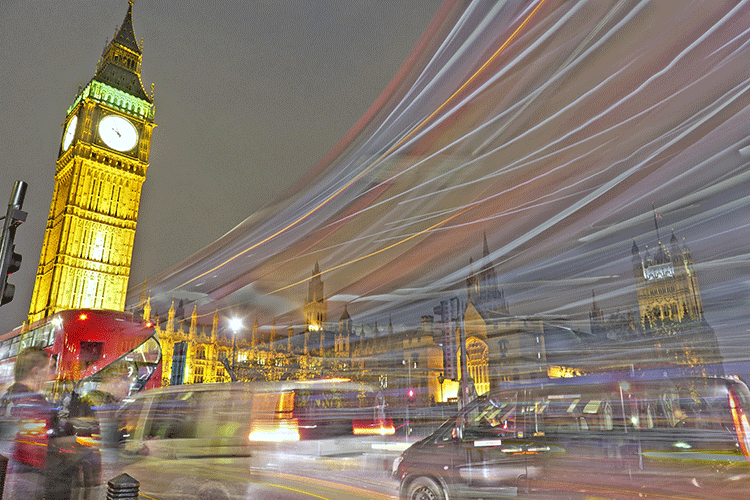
column 320, row 416
column 491, row 449
column 613, row 439
column 171, row 434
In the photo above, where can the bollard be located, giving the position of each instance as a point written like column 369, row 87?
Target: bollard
column 122, row 487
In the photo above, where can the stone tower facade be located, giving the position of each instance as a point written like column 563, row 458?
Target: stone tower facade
column 101, row 167
column 666, row 284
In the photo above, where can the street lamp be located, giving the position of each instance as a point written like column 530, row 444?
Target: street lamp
column 236, row 325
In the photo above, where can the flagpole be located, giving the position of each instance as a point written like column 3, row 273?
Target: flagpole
column 656, row 223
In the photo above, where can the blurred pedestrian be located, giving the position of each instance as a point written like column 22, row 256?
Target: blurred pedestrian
column 114, row 385
column 24, row 405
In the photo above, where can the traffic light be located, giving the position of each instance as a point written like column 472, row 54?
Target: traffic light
column 10, row 261
column 411, row 396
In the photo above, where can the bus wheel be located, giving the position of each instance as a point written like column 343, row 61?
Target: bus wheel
column 424, row 488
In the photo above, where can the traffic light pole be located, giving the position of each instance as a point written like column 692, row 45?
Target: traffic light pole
column 9, row 260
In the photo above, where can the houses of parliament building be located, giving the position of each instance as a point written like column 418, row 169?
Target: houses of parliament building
column 667, row 331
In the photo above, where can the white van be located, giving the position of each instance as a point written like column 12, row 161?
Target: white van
column 243, row 425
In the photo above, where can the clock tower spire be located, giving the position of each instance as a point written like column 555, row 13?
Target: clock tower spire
column 101, row 167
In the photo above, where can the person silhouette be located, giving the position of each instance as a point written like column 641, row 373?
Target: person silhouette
column 25, row 409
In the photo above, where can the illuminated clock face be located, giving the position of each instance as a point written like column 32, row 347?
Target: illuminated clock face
column 118, row 133
column 70, row 132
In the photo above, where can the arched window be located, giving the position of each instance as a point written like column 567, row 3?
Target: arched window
column 477, row 363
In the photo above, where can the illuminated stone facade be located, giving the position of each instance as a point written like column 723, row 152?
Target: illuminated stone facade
column 666, row 284
column 499, row 346
column 205, row 348
column 101, row 167
column 394, row 360
column 669, row 328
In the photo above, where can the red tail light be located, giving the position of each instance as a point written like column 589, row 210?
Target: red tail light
column 741, row 424
column 373, row 427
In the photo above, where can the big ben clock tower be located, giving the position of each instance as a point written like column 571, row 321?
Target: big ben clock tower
column 101, row 166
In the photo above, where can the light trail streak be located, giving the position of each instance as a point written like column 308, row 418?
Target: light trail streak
column 434, row 227
column 445, row 69
column 520, row 163
column 631, row 95
column 474, row 131
column 497, row 75
column 379, row 251
column 677, row 137
column 484, row 179
column 572, row 61
column 304, row 217
column 415, row 235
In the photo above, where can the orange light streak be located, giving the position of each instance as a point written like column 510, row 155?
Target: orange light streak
column 393, row 148
column 384, row 249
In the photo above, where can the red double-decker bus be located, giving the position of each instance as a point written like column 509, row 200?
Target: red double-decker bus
column 84, row 343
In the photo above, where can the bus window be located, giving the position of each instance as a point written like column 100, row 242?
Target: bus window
column 229, row 413
column 326, row 413
column 14, row 346
column 90, row 353
column 145, row 359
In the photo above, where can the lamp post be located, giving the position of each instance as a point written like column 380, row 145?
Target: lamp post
column 236, row 325
column 411, row 395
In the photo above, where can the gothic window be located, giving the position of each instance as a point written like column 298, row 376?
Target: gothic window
column 92, row 190
column 113, row 198
column 200, row 353
column 97, row 193
column 656, row 312
column 477, row 361
column 667, row 311
column 76, row 291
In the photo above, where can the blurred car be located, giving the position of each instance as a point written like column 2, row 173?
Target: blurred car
column 612, row 438
column 484, row 452
column 175, row 439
